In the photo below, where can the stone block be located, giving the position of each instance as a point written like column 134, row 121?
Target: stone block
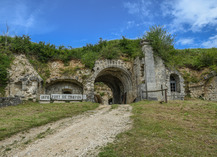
column 9, row 101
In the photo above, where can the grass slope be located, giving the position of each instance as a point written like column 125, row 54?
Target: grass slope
column 19, row 118
column 179, row 128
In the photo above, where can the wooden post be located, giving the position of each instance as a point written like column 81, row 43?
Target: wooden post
column 146, row 94
column 162, row 90
column 146, row 88
column 166, row 95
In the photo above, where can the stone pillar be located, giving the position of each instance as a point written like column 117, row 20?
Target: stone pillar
column 149, row 70
column 88, row 90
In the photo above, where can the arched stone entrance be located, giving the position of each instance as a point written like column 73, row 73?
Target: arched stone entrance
column 68, row 86
column 119, row 81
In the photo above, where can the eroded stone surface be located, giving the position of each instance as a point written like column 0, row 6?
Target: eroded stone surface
column 24, row 81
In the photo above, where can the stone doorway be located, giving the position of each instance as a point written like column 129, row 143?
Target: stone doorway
column 119, row 81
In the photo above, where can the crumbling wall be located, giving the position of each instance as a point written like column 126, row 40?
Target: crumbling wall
column 24, row 81
column 206, row 88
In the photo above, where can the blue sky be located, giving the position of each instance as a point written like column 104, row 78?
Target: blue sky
column 78, row 22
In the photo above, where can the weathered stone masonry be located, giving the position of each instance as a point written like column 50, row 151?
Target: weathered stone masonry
column 128, row 80
column 9, row 101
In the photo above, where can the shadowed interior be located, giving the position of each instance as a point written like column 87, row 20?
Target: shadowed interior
column 118, row 80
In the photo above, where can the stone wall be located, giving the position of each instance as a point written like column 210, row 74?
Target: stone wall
column 9, row 101
column 206, row 89
column 211, row 89
column 24, row 81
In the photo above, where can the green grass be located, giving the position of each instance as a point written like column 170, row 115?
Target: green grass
column 14, row 119
column 178, row 128
column 114, row 106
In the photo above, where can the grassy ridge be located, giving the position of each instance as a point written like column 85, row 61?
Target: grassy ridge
column 196, row 59
column 19, row 118
column 179, row 128
column 88, row 54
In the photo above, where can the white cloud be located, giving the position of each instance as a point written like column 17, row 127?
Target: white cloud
column 140, row 7
column 132, row 7
column 212, row 42
column 130, row 24
column 196, row 13
column 185, row 41
column 18, row 15
column 24, row 17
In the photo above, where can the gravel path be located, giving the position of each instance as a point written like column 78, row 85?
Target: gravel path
column 82, row 135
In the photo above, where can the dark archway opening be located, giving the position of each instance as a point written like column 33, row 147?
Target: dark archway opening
column 115, row 85
column 110, row 101
column 119, row 83
column 67, row 92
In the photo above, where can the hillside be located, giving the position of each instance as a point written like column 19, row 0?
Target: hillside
column 202, row 61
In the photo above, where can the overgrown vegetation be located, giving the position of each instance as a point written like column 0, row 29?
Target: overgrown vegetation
column 178, row 128
column 5, row 61
column 19, row 118
column 196, row 59
column 161, row 41
column 41, row 68
column 69, row 70
column 88, row 54
column 163, row 46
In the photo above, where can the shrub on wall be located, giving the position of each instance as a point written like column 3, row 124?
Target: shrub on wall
column 162, row 42
column 5, row 61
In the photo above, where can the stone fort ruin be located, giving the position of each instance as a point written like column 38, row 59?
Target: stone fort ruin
column 128, row 80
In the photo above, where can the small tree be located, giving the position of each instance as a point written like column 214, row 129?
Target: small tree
column 162, row 42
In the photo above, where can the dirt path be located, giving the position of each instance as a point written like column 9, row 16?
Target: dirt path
column 82, row 135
